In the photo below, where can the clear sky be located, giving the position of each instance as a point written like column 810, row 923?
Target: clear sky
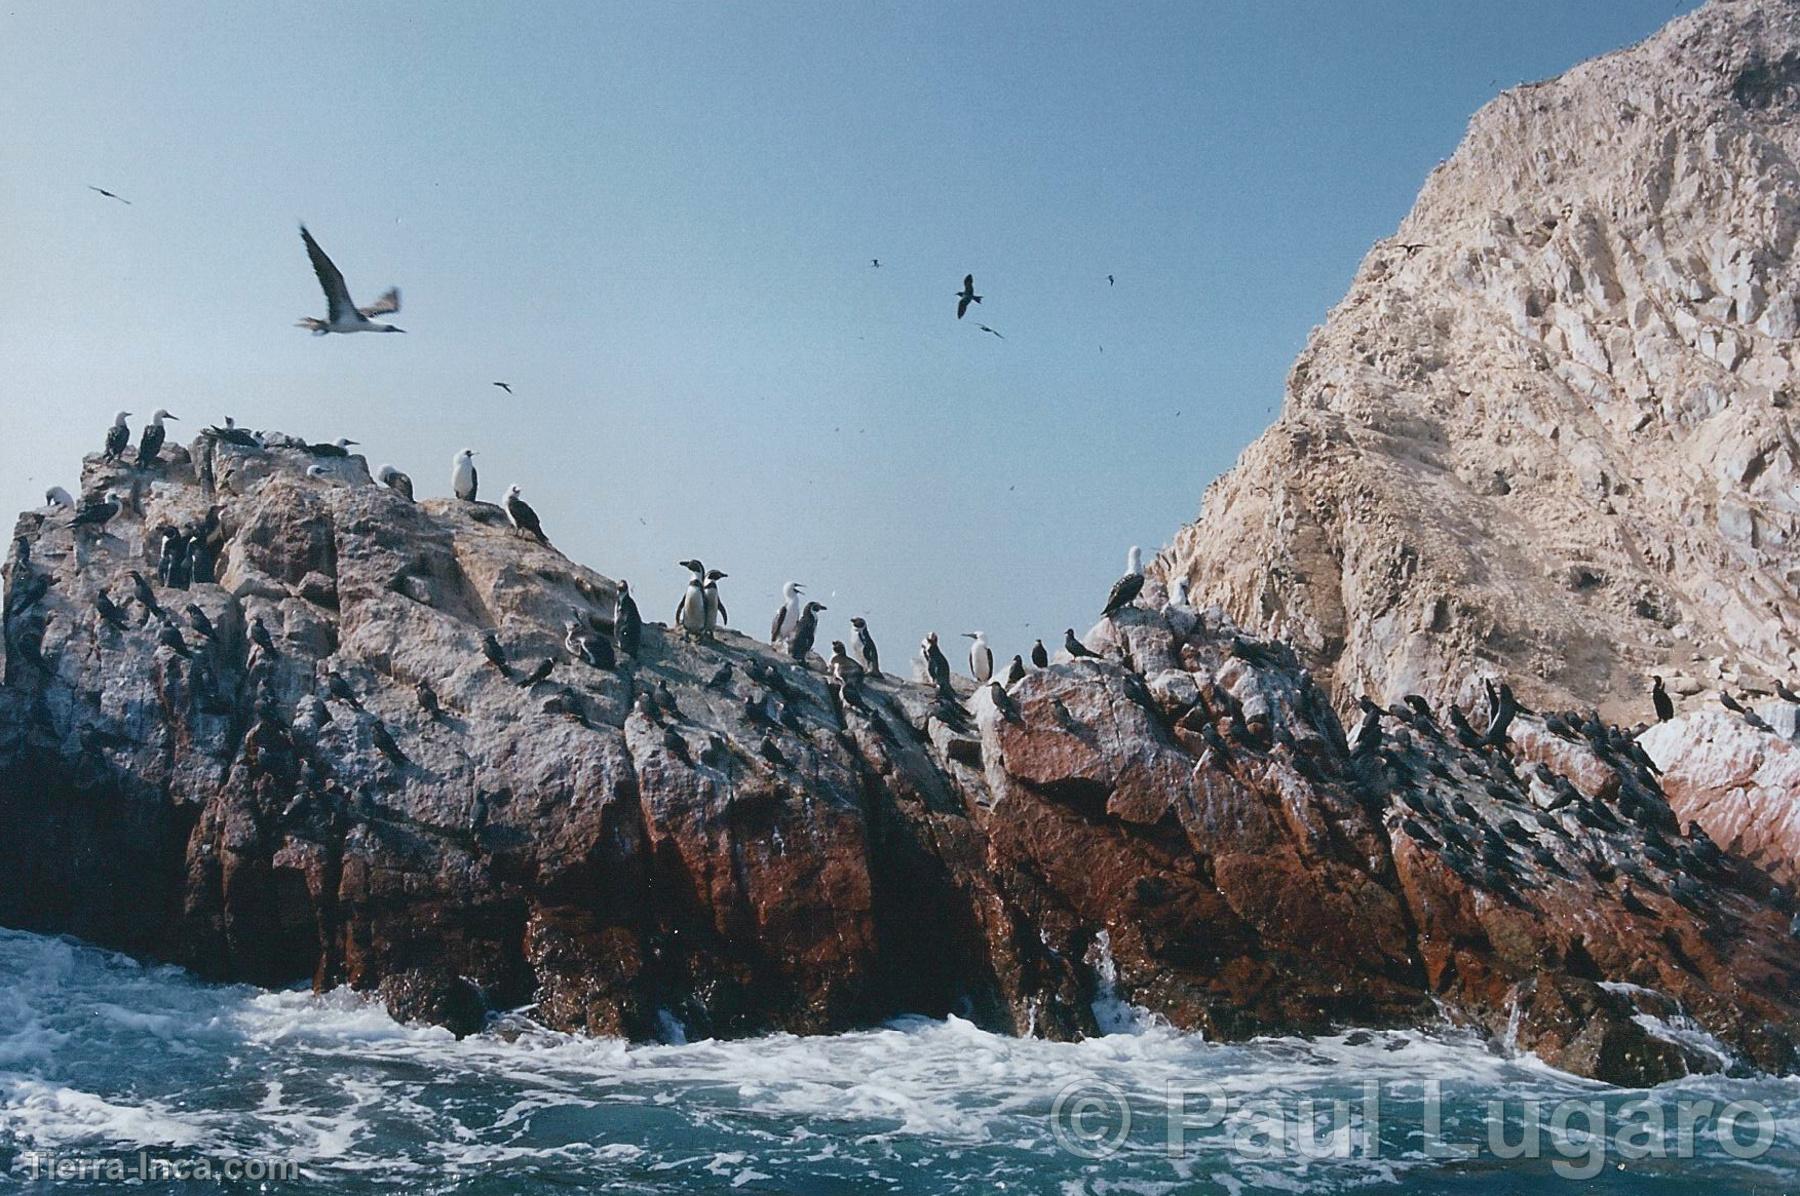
column 656, row 222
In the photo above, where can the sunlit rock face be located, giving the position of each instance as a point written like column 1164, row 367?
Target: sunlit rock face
column 1549, row 433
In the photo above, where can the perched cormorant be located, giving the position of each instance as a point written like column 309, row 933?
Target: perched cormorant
column 1015, row 672
column 1730, row 703
column 496, row 655
column 396, row 481
column 788, row 614
column 117, row 437
column 109, row 610
column 981, row 657
column 259, row 635
column 337, row 687
column 1075, row 647
column 384, row 743
column 428, row 700
column 628, row 625
column 966, row 296
column 341, row 312
column 1659, row 698
column 201, row 623
column 865, row 646
column 538, row 674
column 1127, row 588
column 171, row 638
column 154, row 435
column 146, row 596
column 1040, row 657
column 464, row 481
column 522, row 516
column 806, row 630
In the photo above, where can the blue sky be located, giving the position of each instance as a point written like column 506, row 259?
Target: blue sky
column 656, row 222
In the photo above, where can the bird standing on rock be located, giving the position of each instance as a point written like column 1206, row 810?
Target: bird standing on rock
column 805, row 631
column 981, row 657
column 690, row 612
column 1076, row 648
column 1015, row 672
column 396, row 481
column 936, row 666
column 1040, row 657
column 464, row 481
column 787, row 616
column 154, row 434
column 496, row 655
column 1128, row 587
column 117, row 437
column 523, row 517
column 1659, row 698
column 716, row 614
column 865, row 647
column 98, row 512
column 628, row 624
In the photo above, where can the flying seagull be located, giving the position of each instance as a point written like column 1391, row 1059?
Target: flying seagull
column 109, row 194
column 506, row 386
column 985, row 328
column 341, row 313
column 966, row 296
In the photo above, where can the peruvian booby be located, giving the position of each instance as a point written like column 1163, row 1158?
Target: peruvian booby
column 522, row 516
column 1039, row 656
column 806, row 630
column 336, row 448
column 1659, row 697
column 230, row 433
column 396, row 481
column 1076, row 648
column 1127, row 588
column 690, row 612
column 117, row 437
column 341, row 313
column 56, row 498
column 628, row 624
column 1178, row 596
column 981, row 657
column 716, row 614
column 865, row 646
column 966, row 296
column 154, row 434
column 787, row 616
column 463, row 478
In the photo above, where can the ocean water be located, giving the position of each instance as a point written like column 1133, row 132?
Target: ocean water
column 106, row 1062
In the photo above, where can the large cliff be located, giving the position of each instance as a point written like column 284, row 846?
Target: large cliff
column 1549, row 433
column 706, row 834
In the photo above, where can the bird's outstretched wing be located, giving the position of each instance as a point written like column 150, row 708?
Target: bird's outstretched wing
column 331, row 280
column 387, row 305
column 506, row 386
column 109, row 194
column 962, row 305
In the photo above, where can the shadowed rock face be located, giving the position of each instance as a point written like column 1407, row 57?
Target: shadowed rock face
column 1549, row 432
column 743, row 850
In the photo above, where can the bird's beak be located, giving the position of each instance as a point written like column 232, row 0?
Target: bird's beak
column 174, row 417
column 968, row 635
column 723, row 575
column 349, row 442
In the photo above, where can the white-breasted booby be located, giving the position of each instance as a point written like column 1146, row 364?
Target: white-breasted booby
column 336, row 448
column 117, row 437
column 396, row 481
column 463, row 478
column 341, row 313
column 1178, row 596
column 966, row 296
column 154, row 434
column 787, row 616
column 96, row 512
column 981, row 657
column 1127, row 588
column 523, row 517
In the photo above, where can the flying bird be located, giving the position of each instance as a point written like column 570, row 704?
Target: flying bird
column 985, row 328
column 506, row 386
column 108, row 194
column 341, row 312
column 875, row 263
column 966, row 296
column 1109, row 280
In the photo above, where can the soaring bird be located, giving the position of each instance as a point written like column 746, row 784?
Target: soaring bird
column 865, row 647
column 1127, row 588
column 117, row 437
column 985, row 328
column 788, row 614
column 1076, row 648
column 981, row 657
column 341, row 313
column 396, row 481
column 1039, row 656
column 1659, row 698
column 522, row 516
column 463, row 478
column 966, row 296
column 108, row 194
column 1109, row 280
column 874, row 263
column 154, row 434
column 506, row 386
column 628, row 624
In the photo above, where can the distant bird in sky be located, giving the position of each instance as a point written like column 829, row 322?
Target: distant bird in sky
column 506, row 386
column 341, row 312
column 463, row 478
column 966, row 296
column 875, row 263
column 985, row 328
column 109, row 194
column 1109, row 280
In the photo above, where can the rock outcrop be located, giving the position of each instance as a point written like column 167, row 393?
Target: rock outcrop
column 709, row 835
column 1549, row 433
